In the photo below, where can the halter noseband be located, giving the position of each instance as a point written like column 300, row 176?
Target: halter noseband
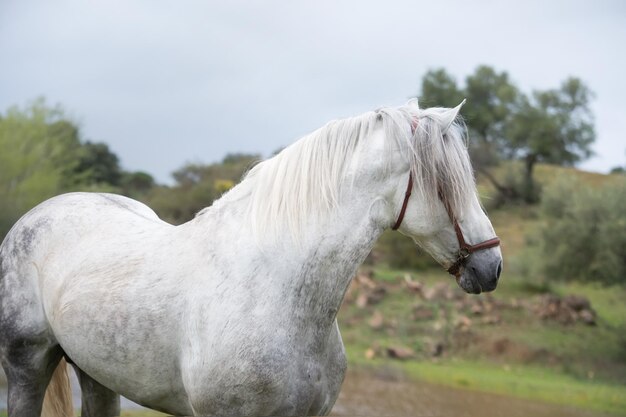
column 465, row 249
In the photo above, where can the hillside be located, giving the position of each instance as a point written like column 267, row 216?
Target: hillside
column 556, row 342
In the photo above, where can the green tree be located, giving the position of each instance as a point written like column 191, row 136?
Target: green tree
column 97, row 164
column 440, row 89
column 136, row 184
column 492, row 99
column 553, row 126
column 37, row 149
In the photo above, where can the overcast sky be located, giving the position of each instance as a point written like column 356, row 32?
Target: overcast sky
column 169, row 82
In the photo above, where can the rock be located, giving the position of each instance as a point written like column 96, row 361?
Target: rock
column 516, row 304
column 551, row 308
column 439, row 325
column 370, row 354
column 377, row 320
column 491, row 319
column 566, row 310
column 370, row 297
column 500, row 346
column 413, row 286
column 577, row 302
column 400, row 352
column 422, row 312
column 587, row 317
column 376, row 295
column 373, row 351
column 477, row 309
column 366, row 281
column 463, row 322
column 439, row 291
column 437, row 349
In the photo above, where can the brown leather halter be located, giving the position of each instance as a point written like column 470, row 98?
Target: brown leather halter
column 465, row 249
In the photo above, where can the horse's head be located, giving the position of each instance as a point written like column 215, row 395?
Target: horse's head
column 326, row 180
column 435, row 201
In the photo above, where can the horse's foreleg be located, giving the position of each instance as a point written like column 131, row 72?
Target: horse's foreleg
column 97, row 400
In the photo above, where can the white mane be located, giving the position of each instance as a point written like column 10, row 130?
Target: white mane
column 306, row 178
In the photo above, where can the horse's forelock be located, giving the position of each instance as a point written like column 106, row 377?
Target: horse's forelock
column 440, row 161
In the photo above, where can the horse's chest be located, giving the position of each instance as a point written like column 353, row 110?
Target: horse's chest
column 254, row 381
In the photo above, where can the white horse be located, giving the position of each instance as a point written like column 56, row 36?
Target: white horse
column 234, row 313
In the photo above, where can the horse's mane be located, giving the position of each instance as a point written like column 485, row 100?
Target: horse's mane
column 306, row 178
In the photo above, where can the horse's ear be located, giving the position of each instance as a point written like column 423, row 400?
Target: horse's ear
column 413, row 103
column 448, row 117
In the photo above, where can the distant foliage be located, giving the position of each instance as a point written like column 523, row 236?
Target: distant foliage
column 399, row 251
column 197, row 186
column 97, row 164
column 584, row 235
column 42, row 154
column 37, row 152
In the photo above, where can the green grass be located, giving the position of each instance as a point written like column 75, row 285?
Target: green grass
column 524, row 382
column 141, row 413
column 575, row 365
column 527, row 382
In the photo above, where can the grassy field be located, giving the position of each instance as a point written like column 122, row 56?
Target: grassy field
column 522, row 381
column 576, row 365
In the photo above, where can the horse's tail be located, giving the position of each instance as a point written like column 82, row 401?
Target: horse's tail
column 58, row 399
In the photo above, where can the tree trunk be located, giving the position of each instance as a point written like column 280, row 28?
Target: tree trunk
column 505, row 192
column 530, row 193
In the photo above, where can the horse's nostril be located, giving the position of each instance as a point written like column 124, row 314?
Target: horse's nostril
column 499, row 270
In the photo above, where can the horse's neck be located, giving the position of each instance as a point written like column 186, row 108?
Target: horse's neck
column 312, row 274
column 331, row 263
column 322, row 265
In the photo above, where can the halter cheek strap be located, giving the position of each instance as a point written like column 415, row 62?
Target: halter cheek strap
column 465, row 249
column 405, row 203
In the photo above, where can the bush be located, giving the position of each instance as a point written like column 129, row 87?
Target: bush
column 197, row 186
column 583, row 236
column 399, row 251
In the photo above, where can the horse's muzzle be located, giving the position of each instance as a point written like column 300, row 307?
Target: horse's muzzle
column 481, row 272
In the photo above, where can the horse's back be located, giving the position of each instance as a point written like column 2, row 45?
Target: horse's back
column 67, row 219
column 55, row 228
